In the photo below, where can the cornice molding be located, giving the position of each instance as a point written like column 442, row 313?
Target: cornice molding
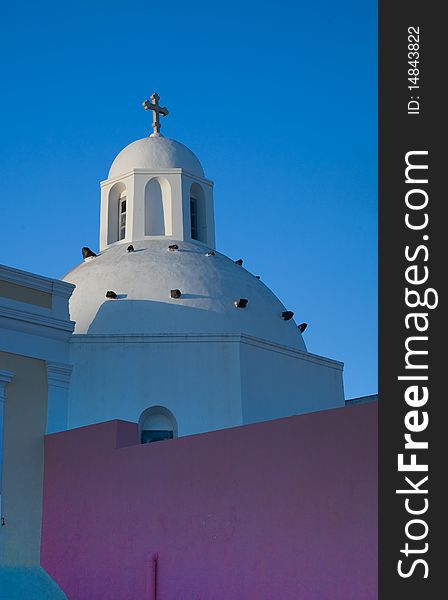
column 58, row 374
column 36, row 282
column 176, row 171
column 5, row 378
column 161, row 338
column 36, row 319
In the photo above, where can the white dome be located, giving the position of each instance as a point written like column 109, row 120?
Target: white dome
column 143, row 280
column 155, row 153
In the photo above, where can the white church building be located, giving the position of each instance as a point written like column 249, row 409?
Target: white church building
column 157, row 328
column 190, row 341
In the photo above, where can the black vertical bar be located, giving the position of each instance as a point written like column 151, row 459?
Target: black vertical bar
column 412, row 120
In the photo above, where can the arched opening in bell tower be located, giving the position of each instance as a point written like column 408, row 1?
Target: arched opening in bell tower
column 117, row 206
column 122, row 216
column 158, row 218
column 198, row 221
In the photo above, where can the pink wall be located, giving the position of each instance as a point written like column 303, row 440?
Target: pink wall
column 283, row 510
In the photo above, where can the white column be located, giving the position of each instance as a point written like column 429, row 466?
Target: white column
column 136, row 202
column 104, row 214
column 5, row 378
column 58, row 377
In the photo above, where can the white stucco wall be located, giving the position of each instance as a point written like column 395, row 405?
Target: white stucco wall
column 208, row 382
column 118, row 377
column 278, row 382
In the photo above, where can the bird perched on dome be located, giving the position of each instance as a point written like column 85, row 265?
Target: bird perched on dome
column 287, row 315
column 87, row 253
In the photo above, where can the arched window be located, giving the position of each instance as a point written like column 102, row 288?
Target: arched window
column 158, row 219
column 122, row 216
column 198, row 221
column 117, row 205
column 194, row 218
column 157, row 423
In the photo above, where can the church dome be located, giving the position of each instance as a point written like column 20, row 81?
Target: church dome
column 155, row 153
column 143, row 280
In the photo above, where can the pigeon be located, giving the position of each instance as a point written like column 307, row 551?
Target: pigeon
column 111, row 294
column 173, row 247
column 175, row 293
column 241, row 303
column 287, row 315
column 130, row 248
column 302, row 327
column 239, row 262
column 87, row 253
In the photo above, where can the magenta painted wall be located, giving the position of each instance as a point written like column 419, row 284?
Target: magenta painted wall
column 283, row 510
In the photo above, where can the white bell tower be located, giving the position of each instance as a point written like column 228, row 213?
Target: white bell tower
column 156, row 188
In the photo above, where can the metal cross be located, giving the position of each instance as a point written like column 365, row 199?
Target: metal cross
column 156, row 112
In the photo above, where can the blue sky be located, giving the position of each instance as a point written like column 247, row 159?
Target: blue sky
column 279, row 102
